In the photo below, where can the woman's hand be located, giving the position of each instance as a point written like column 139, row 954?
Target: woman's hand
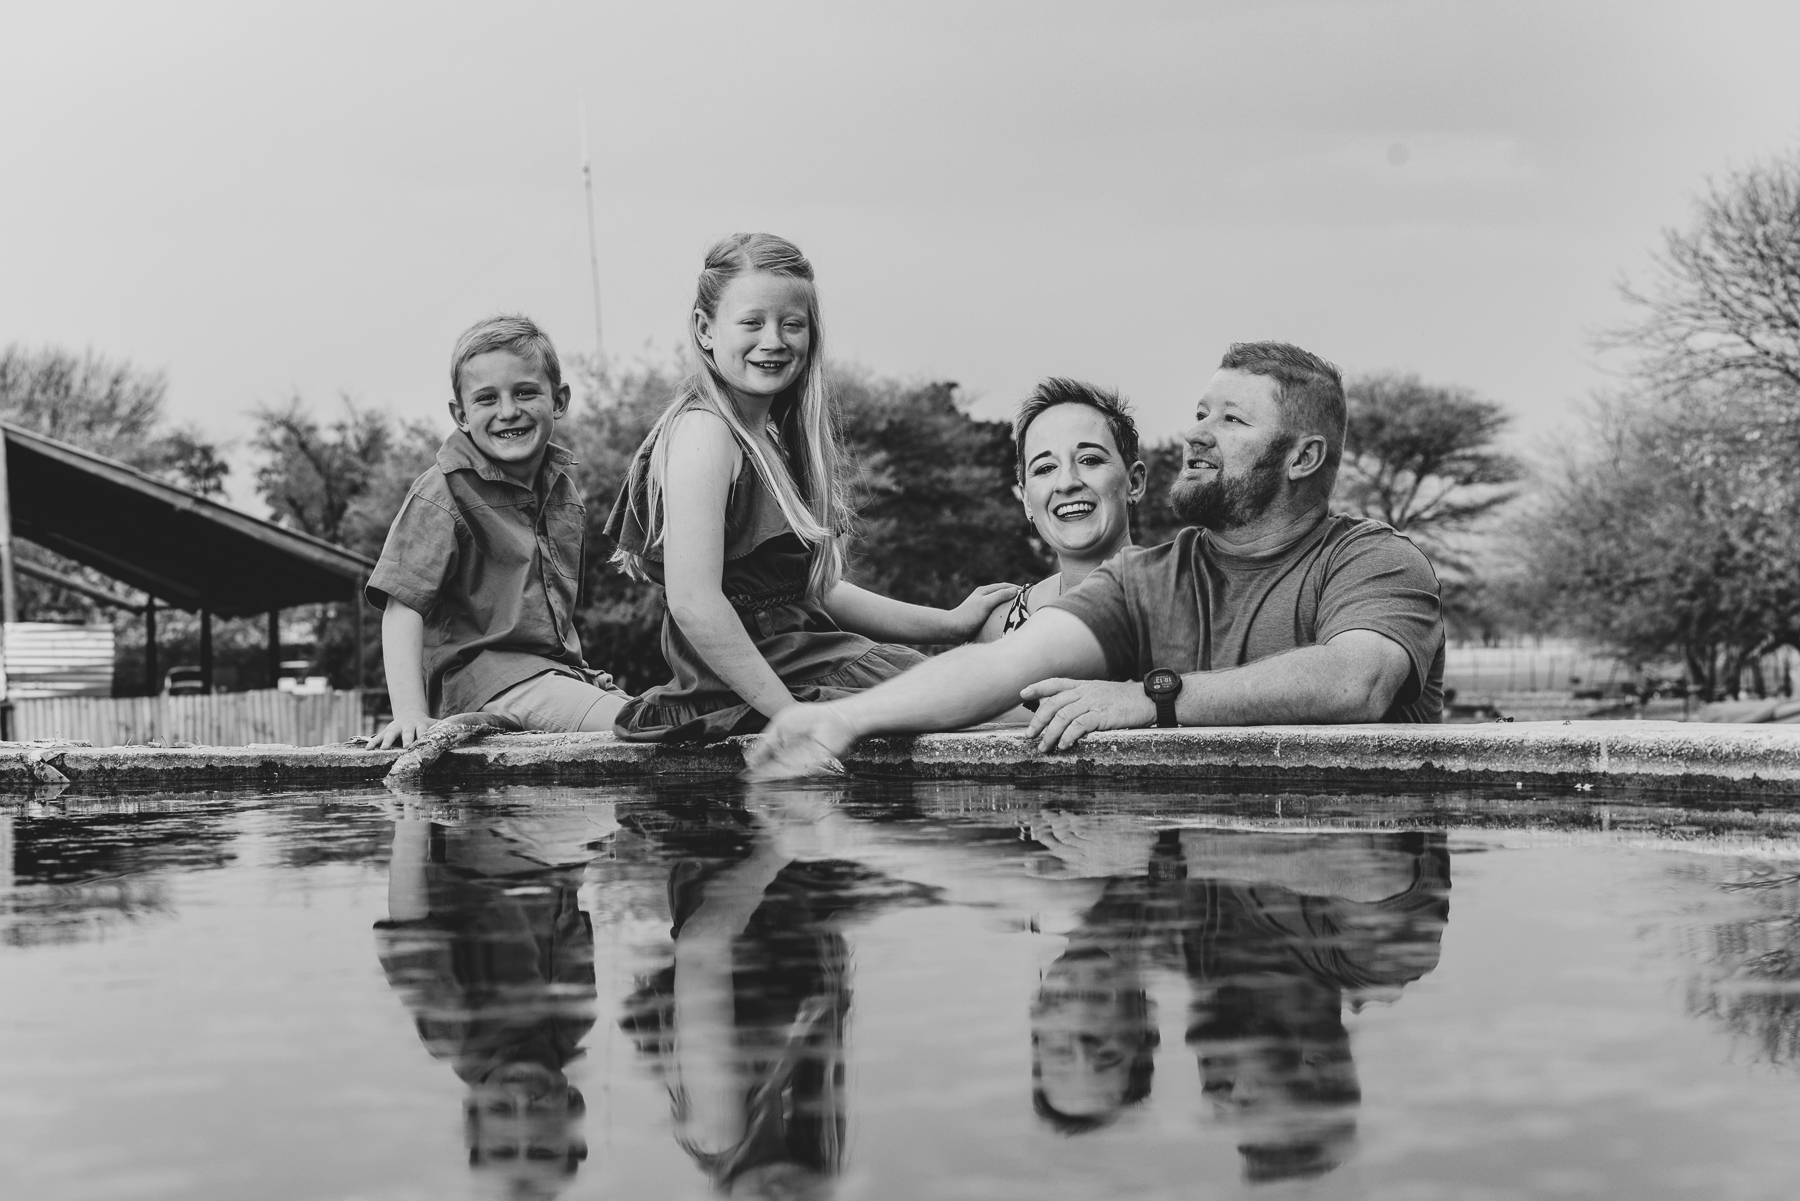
column 1095, row 844
column 967, row 618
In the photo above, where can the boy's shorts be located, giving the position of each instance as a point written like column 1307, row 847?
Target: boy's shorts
column 553, row 702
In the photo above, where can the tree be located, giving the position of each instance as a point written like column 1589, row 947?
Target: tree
column 1673, row 531
column 933, row 492
column 1724, row 304
column 1421, row 457
column 1152, row 523
column 313, row 473
column 194, row 463
column 343, row 482
column 620, row 619
column 111, row 408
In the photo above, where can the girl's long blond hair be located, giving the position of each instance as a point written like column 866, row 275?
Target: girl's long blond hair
column 807, row 487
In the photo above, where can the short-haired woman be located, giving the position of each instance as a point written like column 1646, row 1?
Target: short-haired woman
column 1079, row 476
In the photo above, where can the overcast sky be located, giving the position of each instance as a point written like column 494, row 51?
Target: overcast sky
column 259, row 198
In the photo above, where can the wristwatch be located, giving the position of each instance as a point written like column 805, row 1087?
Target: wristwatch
column 1163, row 686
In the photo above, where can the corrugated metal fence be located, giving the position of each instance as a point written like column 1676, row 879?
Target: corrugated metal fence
column 222, row 719
column 49, row 658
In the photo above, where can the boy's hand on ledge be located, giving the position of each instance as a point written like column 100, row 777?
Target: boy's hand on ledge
column 801, row 740
column 1068, row 710
column 968, row 618
column 403, row 731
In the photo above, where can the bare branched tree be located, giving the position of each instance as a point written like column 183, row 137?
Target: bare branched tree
column 1725, row 300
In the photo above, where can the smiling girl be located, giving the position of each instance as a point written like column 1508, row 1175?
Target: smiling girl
column 1079, row 476
column 734, row 504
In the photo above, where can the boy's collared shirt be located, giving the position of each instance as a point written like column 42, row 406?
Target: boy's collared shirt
column 494, row 570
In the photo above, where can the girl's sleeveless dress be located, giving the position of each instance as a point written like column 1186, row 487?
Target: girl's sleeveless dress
column 765, row 574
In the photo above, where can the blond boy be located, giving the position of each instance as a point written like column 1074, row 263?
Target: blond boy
column 478, row 578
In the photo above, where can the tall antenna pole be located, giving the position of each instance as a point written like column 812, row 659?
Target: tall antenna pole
column 587, row 183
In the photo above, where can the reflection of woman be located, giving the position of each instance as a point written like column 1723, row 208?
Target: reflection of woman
column 1079, row 474
column 486, row 945
column 1093, row 1026
column 748, row 1022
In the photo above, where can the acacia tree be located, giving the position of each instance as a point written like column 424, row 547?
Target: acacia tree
column 1421, row 457
column 1724, row 301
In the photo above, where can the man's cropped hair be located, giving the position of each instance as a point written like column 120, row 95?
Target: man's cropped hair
column 1060, row 391
column 511, row 332
column 1309, row 390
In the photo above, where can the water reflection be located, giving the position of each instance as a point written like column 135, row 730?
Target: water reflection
column 746, row 1021
column 746, row 1025
column 1276, row 932
column 487, row 945
column 1277, row 938
column 1750, row 980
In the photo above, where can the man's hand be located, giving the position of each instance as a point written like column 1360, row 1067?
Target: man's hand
column 967, row 618
column 801, row 740
column 403, row 731
column 1070, row 709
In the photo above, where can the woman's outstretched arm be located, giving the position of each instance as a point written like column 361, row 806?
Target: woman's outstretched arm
column 703, row 460
column 887, row 620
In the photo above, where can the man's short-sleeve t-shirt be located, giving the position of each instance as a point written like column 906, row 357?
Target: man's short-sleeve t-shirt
column 494, row 569
column 1193, row 605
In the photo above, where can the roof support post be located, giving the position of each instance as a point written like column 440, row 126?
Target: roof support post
column 274, row 648
column 9, row 602
column 152, row 684
column 356, row 606
column 206, row 664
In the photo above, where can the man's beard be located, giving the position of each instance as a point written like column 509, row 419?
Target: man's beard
column 1221, row 504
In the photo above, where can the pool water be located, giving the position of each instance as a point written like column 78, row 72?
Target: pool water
column 897, row 990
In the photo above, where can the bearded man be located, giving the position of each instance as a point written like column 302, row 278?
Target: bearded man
column 1268, row 609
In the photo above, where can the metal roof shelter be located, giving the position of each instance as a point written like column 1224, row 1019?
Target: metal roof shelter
column 180, row 548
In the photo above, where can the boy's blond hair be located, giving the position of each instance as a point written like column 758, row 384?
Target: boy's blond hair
column 512, row 332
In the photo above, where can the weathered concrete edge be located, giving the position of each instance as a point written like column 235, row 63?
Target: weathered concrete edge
column 1663, row 756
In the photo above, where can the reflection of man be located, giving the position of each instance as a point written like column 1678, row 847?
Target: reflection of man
column 1272, row 951
column 486, row 944
column 1275, row 930
column 1271, row 611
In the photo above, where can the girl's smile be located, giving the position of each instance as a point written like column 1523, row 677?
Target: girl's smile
column 761, row 335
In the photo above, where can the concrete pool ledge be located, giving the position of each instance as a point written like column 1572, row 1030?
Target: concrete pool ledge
column 1662, row 756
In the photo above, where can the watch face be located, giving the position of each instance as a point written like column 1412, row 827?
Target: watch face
column 1162, row 682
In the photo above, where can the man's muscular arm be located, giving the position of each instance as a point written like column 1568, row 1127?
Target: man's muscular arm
column 958, row 688
column 1352, row 678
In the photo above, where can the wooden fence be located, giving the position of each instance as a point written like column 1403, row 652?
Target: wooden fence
column 222, row 719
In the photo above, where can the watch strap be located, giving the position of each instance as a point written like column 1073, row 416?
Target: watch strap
column 1165, row 712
